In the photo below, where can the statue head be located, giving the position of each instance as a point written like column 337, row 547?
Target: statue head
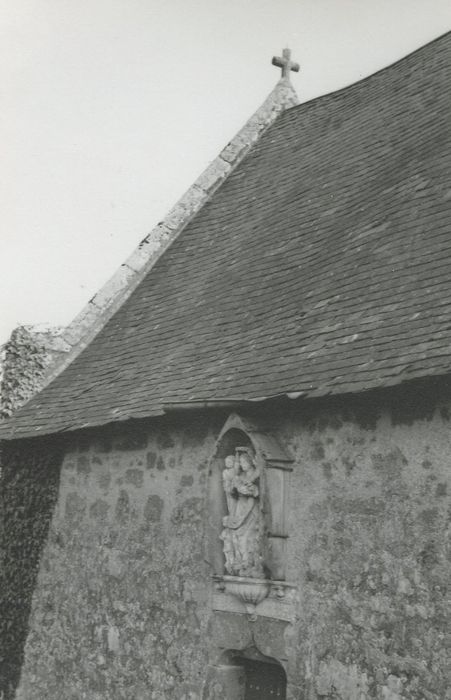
column 246, row 458
column 229, row 462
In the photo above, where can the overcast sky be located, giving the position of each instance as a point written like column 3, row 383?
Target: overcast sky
column 111, row 108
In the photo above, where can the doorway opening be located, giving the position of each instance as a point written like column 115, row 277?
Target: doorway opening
column 264, row 678
column 247, row 675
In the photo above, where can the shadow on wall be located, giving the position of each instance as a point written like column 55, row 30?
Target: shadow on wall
column 28, row 491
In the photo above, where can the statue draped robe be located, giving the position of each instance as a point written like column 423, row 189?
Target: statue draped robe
column 243, row 526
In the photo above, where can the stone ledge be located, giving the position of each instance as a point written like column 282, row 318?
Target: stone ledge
column 280, row 602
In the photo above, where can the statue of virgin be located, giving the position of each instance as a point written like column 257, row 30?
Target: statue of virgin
column 243, row 526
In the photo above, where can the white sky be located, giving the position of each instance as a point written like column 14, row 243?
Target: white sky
column 111, row 108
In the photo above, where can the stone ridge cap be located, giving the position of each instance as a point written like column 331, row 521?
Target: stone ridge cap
column 370, row 76
column 102, row 306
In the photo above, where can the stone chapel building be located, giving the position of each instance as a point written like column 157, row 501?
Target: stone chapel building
column 236, row 483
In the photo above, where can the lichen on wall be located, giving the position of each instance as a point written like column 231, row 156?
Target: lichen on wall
column 123, row 603
column 120, row 609
column 370, row 505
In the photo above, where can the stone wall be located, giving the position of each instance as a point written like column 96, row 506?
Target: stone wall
column 370, row 507
column 123, row 603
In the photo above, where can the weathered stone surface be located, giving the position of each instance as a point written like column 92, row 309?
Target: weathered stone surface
column 153, row 509
column 230, row 631
column 135, row 477
column 122, row 606
column 83, row 465
column 128, row 588
column 75, row 507
column 151, row 459
column 373, row 560
column 99, row 509
column 269, row 637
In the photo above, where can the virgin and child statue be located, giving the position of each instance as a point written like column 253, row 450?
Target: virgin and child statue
column 243, row 525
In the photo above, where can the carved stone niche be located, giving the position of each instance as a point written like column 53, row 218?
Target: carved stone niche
column 248, row 536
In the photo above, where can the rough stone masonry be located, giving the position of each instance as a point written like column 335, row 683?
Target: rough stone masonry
column 122, row 606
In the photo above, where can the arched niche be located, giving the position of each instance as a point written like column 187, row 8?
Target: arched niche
column 274, row 466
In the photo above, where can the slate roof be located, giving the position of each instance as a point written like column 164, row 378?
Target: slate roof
column 322, row 266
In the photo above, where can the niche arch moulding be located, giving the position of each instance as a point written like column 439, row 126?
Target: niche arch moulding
column 247, row 522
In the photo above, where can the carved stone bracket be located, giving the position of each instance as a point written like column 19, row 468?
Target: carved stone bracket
column 251, row 591
column 256, row 597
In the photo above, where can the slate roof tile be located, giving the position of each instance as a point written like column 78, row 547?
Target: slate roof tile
column 322, row 265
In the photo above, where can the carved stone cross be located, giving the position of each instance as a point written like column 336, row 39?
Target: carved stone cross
column 285, row 63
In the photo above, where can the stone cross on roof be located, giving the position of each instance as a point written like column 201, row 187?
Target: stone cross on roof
column 285, row 63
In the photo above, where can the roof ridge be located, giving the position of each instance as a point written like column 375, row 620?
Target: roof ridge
column 370, row 76
column 104, row 304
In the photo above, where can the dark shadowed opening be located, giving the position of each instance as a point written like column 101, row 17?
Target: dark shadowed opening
column 265, row 678
column 246, row 675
